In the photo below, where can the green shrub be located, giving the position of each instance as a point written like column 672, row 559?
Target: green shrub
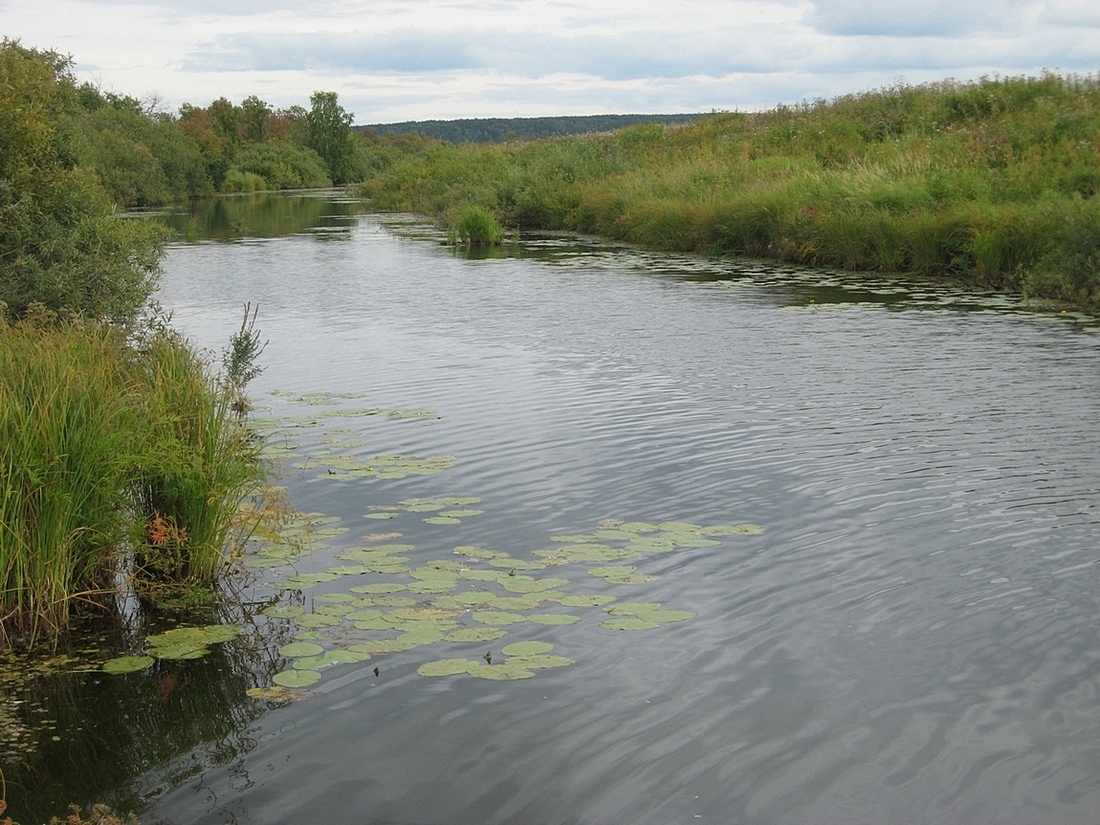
column 475, row 226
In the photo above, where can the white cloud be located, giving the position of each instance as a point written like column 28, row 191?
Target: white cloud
column 418, row 59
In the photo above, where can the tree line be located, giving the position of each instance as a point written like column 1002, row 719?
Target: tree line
column 503, row 129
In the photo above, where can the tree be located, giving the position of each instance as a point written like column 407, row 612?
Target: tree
column 255, row 120
column 61, row 243
column 330, row 135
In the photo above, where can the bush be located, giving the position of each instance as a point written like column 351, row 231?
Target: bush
column 475, row 226
column 61, row 242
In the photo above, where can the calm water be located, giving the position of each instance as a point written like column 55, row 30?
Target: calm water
column 912, row 639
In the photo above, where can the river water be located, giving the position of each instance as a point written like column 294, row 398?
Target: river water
column 911, row 638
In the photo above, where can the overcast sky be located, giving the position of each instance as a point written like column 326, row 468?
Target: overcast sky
column 394, row 60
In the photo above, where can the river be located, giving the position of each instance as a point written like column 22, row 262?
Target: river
column 893, row 614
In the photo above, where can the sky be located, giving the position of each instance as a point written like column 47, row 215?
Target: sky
column 398, row 60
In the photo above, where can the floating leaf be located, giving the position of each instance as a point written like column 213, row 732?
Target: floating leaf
column 184, row 650
column 526, row 648
column 447, row 667
column 297, row 649
column 317, row 620
column 442, row 520
column 296, row 678
column 270, row 694
column 504, row 672
column 475, row 634
column 629, row 623
column 537, row 661
column 732, row 530
column 127, row 664
column 593, row 600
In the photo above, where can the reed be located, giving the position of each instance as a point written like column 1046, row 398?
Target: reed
column 66, row 449
column 201, row 460
column 107, row 451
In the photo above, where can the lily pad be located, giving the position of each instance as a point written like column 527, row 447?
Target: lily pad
column 296, row 678
column 296, row 649
column 447, row 667
column 526, row 648
column 127, row 664
column 504, row 672
column 629, row 623
column 475, row 634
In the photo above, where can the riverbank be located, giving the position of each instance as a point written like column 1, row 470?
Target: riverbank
column 989, row 183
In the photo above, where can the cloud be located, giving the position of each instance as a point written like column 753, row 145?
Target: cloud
column 928, row 18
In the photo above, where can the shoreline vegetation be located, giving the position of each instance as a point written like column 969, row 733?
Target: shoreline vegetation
column 124, row 453
column 117, row 435
column 991, row 183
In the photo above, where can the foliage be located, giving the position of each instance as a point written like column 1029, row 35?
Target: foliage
column 278, row 164
column 106, row 446
column 330, row 135
column 476, row 226
column 61, row 244
column 993, row 182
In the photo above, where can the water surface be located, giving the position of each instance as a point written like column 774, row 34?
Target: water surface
column 912, row 639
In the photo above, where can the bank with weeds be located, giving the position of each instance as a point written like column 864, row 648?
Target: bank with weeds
column 990, row 183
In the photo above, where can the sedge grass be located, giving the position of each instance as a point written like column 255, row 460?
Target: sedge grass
column 107, row 449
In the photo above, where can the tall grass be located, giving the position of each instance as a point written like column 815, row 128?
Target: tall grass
column 66, row 449
column 973, row 181
column 109, row 450
column 201, row 461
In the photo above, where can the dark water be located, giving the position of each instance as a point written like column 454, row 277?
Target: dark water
column 912, row 639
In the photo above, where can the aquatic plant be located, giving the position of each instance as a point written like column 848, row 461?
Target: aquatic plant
column 476, row 226
column 108, row 450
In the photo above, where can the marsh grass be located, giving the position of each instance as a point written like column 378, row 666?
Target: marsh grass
column 978, row 182
column 108, row 449
column 66, row 449
column 202, row 460
column 475, row 226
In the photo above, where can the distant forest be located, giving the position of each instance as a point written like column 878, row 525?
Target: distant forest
column 501, row 129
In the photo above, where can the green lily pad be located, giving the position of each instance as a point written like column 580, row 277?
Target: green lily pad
column 732, row 530
column 183, row 650
column 442, row 520
column 447, row 667
column 475, row 634
column 296, row 678
column 316, row 620
column 504, row 672
column 127, row 664
column 629, row 623
column 592, row 600
column 537, row 661
column 297, row 649
column 526, row 648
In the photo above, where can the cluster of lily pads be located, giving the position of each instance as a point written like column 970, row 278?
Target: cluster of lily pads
column 377, row 601
column 477, row 596
column 333, row 459
column 178, row 643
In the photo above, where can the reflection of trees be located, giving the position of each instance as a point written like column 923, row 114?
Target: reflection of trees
column 262, row 216
column 112, row 736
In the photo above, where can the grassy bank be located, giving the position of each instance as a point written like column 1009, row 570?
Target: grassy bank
column 110, row 448
column 991, row 183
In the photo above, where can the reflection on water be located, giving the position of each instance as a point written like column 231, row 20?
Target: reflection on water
column 910, row 640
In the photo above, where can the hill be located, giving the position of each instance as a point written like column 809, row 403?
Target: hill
column 502, row 129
